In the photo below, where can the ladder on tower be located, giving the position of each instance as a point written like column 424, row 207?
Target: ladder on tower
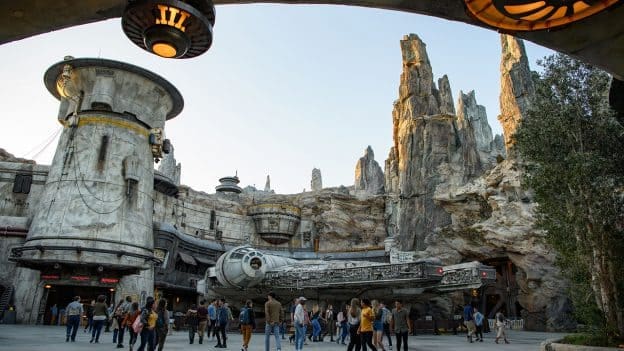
column 5, row 300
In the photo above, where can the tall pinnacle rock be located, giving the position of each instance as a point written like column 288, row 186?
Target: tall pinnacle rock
column 472, row 119
column 267, row 185
column 369, row 177
column 517, row 89
column 316, row 183
column 429, row 151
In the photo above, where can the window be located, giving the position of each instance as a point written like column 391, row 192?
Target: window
column 22, row 183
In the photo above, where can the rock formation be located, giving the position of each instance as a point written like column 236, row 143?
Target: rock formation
column 369, row 178
column 517, row 88
column 428, row 151
column 316, row 183
column 471, row 116
column 441, row 202
column 267, row 185
column 9, row 157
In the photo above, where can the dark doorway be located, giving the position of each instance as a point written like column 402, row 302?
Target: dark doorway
column 62, row 295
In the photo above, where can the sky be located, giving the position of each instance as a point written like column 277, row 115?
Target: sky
column 283, row 89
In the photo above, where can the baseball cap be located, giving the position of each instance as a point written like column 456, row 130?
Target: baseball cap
column 302, row 298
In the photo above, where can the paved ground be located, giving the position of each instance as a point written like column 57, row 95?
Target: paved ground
column 49, row 338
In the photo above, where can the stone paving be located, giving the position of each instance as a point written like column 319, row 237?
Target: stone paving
column 52, row 338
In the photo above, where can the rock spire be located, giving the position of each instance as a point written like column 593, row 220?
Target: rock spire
column 369, row 177
column 316, row 184
column 517, row 88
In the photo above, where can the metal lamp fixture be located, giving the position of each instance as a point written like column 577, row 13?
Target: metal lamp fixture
column 170, row 28
column 530, row 15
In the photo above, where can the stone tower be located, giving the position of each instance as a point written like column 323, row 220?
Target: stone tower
column 93, row 225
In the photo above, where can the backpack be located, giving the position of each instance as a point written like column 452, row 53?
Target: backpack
column 244, row 317
column 160, row 321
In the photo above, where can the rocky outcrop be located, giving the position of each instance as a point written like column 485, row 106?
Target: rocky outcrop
column 472, row 118
column 429, row 150
column 453, row 196
column 369, row 178
column 493, row 217
column 316, row 183
column 9, row 157
column 517, row 88
column 446, row 96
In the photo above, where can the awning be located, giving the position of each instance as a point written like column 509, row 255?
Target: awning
column 205, row 261
column 188, row 259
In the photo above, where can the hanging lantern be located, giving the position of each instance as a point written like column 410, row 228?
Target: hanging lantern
column 530, row 15
column 170, row 28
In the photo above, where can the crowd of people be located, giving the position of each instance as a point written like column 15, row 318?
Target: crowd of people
column 148, row 324
column 360, row 325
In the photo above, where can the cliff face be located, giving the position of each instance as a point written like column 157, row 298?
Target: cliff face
column 450, row 197
column 429, row 150
column 517, row 87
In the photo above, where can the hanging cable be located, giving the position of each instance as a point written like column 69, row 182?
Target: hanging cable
column 44, row 144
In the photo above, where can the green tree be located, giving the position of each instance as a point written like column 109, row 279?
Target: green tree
column 573, row 149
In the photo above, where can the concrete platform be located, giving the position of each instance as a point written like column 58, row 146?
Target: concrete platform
column 52, row 338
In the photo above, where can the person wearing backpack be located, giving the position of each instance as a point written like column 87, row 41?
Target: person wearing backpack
column 247, row 321
column 162, row 323
column 148, row 320
column 192, row 321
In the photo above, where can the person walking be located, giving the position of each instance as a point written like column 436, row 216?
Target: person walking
column 62, row 318
column 316, row 324
column 100, row 315
column 222, row 322
column 500, row 327
column 386, row 317
column 115, row 320
column 330, row 319
column 247, row 321
column 133, row 313
column 192, row 322
column 162, row 323
column 366, row 325
column 274, row 315
column 353, row 318
column 299, row 320
column 120, row 314
column 478, row 320
column 202, row 316
column 341, row 318
column 54, row 314
column 212, row 316
column 89, row 315
column 469, row 321
column 377, row 325
column 148, row 318
column 74, row 311
column 400, row 324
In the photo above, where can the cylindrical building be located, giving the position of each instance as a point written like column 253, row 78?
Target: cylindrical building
column 92, row 231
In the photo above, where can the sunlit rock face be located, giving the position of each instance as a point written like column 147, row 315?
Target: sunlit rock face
column 517, row 88
column 450, row 196
column 369, row 178
column 429, row 150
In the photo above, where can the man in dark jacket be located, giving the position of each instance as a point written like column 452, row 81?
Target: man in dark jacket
column 222, row 321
